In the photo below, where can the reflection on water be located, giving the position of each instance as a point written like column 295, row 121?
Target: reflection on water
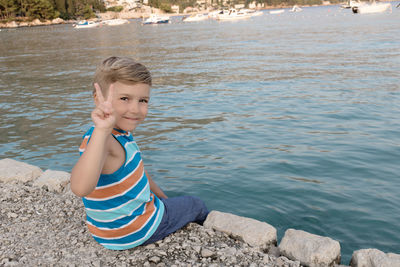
column 289, row 119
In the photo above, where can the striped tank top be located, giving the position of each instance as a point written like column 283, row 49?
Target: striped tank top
column 122, row 212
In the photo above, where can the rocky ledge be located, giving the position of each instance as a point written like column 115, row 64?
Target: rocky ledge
column 35, row 22
column 43, row 224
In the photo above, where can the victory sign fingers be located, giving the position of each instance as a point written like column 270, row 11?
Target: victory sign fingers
column 103, row 115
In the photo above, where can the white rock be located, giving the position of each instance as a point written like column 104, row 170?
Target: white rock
column 36, row 22
column 205, row 253
column 12, row 215
column 155, row 259
column 12, row 24
column 23, row 24
column 54, row 180
column 227, row 251
column 57, row 21
column 374, row 258
column 197, row 248
column 311, row 250
column 12, row 170
column 253, row 232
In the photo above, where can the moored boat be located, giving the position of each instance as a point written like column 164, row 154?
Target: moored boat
column 295, row 8
column 155, row 19
column 233, row 14
column 351, row 4
column 278, row 11
column 195, row 17
column 371, row 8
column 86, row 24
column 214, row 14
column 115, row 22
column 252, row 12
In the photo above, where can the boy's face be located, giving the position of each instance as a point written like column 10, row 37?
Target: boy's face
column 130, row 104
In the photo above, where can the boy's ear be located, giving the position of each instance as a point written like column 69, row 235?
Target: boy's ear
column 95, row 99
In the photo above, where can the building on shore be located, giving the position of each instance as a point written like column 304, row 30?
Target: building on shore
column 127, row 4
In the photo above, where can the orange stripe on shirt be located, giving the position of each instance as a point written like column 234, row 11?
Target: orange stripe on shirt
column 115, row 132
column 130, row 228
column 118, row 188
column 84, row 143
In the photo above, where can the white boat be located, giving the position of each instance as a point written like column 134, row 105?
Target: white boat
column 256, row 13
column 372, row 8
column 295, row 8
column 155, row 19
column 233, row 14
column 214, row 14
column 351, row 4
column 114, row 22
column 195, row 17
column 86, row 24
column 252, row 12
column 278, row 11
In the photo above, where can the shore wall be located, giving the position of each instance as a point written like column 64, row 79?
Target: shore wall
column 43, row 223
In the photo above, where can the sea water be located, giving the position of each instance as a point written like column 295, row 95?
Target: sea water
column 291, row 119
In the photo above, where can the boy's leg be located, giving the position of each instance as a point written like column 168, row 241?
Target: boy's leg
column 179, row 211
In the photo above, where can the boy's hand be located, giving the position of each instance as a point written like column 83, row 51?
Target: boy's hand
column 103, row 115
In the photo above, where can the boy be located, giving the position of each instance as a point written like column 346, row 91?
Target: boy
column 125, row 208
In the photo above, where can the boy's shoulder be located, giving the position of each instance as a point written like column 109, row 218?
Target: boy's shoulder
column 115, row 132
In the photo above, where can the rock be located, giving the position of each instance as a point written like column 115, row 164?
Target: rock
column 374, row 258
column 197, row 249
column 155, row 259
column 12, row 170
column 23, row 24
column 280, row 262
column 12, row 215
column 11, row 24
column 57, row 21
column 311, row 250
column 36, row 22
column 274, row 251
column 228, row 252
column 54, row 180
column 253, row 232
column 205, row 253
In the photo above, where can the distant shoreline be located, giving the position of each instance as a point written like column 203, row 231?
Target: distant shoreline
column 129, row 15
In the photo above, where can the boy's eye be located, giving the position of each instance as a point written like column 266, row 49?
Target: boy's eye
column 144, row 100
column 124, row 98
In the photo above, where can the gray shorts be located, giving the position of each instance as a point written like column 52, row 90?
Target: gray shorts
column 178, row 212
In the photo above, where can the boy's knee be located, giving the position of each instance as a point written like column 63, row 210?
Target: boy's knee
column 198, row 202
column 201, row 209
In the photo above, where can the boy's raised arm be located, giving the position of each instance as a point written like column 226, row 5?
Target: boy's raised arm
column 87, row 170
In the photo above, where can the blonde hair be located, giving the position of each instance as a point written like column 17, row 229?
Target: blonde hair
column 120, row 69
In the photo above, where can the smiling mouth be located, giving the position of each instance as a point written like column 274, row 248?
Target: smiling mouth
column 132, row 119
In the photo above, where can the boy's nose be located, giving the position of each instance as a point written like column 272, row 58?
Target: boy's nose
column 134, row 106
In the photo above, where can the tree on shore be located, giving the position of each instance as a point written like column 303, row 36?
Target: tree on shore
column 40, row 9
column 49, row 9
